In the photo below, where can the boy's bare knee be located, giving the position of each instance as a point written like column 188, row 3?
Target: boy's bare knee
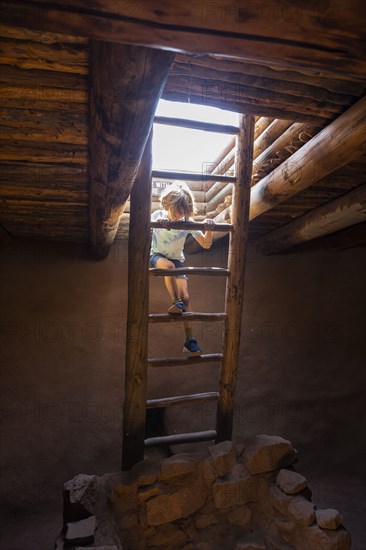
column 165, row 264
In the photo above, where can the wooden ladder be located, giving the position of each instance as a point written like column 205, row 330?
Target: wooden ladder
column 138, row 317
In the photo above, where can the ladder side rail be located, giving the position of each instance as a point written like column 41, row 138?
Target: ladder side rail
column 134, row 411
column 235, row 282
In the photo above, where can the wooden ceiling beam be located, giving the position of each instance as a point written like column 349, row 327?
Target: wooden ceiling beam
column 260, row 87
column 347, row 210
column 269, row 75
column 253, row 106
column 125, row 86
column 339, row 143
column 323, row 38
column 275, row 152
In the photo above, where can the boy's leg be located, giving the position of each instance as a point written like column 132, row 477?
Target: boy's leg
column 190, row 344
column 170, row 282
column 177, row 306
column 182, row 287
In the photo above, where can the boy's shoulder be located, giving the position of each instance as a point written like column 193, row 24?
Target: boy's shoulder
column 158, row 214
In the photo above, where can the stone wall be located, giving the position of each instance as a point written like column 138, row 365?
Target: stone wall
column 241, row 497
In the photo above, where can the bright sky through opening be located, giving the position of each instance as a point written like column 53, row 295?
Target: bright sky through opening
column 186, row 150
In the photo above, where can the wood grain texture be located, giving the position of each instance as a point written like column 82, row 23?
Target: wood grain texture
column 134, row 409
column 319, row 157
column 300, row 83
column 315, row 36
column 44, row 91
column 125, row 87
column 182, row 399
column 347, row 210
column 235, row 282
column 38, row 125
column 184, row 361
column 329, row 188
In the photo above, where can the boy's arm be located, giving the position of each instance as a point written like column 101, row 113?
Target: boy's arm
column 158, row 216
column 205, row 239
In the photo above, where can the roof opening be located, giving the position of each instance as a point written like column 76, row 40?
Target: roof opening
column 185, row 149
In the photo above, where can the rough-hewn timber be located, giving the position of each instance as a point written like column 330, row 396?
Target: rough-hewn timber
column 254, row 31
column 235, row 282
column 126, row 84
column 134, row 410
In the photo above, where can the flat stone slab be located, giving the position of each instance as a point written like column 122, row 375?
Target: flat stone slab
column 80, row 531
column 301, row 511
column 223, row 457
column 290, row 482
column 169, row 507
column 240, row 516
column 266, row 453
column 294, row 508
column 235, row 489
column 178, row 466
column 145, row 472
column 81, row 490
column 329, row 518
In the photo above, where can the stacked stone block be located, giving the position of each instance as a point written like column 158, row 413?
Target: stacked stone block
column 242, row 497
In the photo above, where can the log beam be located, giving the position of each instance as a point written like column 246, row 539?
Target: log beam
column 125, row 86
column 347, row 210
column 290, row 35
column 335, row 146
column 270, row 134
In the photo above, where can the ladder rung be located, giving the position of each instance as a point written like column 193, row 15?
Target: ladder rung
column 190, row 176
column 181, row 438
column 220, row 227
column 210, row 271
column 169, row 317
column 181, row 361
column 196, row 125
column 169, row 401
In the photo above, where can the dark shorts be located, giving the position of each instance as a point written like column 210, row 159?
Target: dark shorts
column 155, row 257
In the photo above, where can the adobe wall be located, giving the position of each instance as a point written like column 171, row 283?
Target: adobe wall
column 62, row 332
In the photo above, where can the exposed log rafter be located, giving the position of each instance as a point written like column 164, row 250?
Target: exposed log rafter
column 296, row 36
column 347, row 210
column 126, row 84
column 322, row 155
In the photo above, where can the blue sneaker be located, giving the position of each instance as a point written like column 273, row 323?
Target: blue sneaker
column 191, row 346
column 177, row 307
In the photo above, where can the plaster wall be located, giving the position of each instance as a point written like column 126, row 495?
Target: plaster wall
column 301, row 370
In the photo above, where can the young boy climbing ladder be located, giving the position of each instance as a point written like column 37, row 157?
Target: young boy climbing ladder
column 167, row 249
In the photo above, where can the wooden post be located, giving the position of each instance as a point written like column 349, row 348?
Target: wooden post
column 235, row 282
column 134, row 411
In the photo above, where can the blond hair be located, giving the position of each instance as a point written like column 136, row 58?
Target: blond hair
column 179, row 198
